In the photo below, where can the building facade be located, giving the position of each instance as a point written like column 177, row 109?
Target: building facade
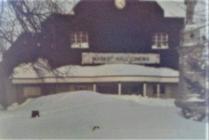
column 100, row 33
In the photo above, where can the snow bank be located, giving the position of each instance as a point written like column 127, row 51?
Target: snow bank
column 27, row 71
column 1, row 107
column 60, row 101
column 14, row 106
column 77, row 97
column 147, row 101
column 75, row 114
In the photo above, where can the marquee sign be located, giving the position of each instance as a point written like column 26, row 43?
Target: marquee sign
column 117, row 58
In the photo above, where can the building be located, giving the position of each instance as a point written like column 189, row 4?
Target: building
column 122, row 35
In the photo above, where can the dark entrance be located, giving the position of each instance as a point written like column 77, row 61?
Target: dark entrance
column 132, row 88
column 107, row 88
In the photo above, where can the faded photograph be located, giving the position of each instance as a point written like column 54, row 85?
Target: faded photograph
column 104, row 69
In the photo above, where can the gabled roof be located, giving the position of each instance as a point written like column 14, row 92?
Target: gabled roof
column 172, row 8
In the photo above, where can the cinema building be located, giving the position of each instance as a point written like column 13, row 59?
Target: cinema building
column 112, row 47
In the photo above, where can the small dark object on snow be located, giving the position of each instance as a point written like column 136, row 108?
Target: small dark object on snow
column 95, row 128
column 35, row 113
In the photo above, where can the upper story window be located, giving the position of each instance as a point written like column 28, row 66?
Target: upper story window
column 160, row 41
column 79, row 40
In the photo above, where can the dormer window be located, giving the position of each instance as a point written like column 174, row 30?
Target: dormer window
column 79, row 40
column 160, row 41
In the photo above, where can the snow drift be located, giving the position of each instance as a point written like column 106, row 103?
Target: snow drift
column 87, row 114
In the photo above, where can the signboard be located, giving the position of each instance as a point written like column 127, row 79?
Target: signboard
column 118, row 58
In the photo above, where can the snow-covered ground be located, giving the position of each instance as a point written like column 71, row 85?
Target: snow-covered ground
column 87, row 114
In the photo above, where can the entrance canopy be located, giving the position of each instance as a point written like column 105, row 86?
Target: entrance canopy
column 27, row 74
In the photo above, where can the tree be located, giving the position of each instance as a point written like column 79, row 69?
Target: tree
column 25, row 18
column 194, row 65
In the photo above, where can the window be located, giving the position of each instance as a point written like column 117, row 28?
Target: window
column 160, row 41
column 79, row 40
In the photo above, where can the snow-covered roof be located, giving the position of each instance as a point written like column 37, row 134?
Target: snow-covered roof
column 27, row 71
column 173, row 8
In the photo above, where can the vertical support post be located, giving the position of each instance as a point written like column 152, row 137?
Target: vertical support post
column 158, row 90
column 94, row 87
column 144, row 89
column 119, row 88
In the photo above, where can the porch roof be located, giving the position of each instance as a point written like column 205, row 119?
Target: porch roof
column 102, row 73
